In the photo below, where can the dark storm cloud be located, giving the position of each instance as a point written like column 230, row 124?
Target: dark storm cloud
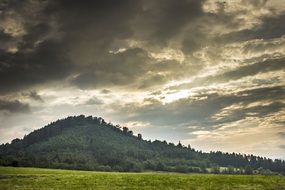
column 45, row 36
column 150, row 21
column 20, row 70
column 61, row 39
column 14, row 106
column 133, row 68
column 161, row 20
column 37, row 57
column 115, row 69
column 200, row 112
column 95, row 24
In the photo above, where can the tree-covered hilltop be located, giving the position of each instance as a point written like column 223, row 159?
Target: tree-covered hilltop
column 89, row 143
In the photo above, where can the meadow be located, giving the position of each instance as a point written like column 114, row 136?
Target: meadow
column 36, row 178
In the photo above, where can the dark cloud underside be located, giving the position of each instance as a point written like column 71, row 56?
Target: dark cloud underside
column 13, row 106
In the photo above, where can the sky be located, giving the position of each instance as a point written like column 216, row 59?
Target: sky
column 208, row 73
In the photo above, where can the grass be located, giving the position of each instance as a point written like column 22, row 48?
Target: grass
column 35, row 178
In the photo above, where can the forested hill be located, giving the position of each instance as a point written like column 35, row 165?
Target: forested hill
column 89, row 143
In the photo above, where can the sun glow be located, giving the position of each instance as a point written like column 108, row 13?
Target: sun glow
column 176, row 96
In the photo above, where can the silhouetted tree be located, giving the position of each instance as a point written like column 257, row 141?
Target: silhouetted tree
column 125, row 129
column 140, row 136
column 179, row 144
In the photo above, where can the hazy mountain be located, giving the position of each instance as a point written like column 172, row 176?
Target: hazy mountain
column 90, row 143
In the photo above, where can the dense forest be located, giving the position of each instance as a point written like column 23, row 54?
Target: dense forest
column 90, row 143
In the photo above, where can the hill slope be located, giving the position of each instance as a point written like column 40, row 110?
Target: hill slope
column 90, row 143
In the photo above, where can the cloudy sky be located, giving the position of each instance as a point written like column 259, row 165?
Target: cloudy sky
column 209, row 73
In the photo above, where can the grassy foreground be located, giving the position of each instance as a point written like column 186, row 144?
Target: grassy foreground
column 34, row 178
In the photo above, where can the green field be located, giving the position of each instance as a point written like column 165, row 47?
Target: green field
column 33, row 178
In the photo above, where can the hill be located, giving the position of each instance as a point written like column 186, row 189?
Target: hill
column 90, row 143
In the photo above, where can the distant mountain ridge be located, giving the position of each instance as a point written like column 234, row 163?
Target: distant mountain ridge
column 90, row 143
